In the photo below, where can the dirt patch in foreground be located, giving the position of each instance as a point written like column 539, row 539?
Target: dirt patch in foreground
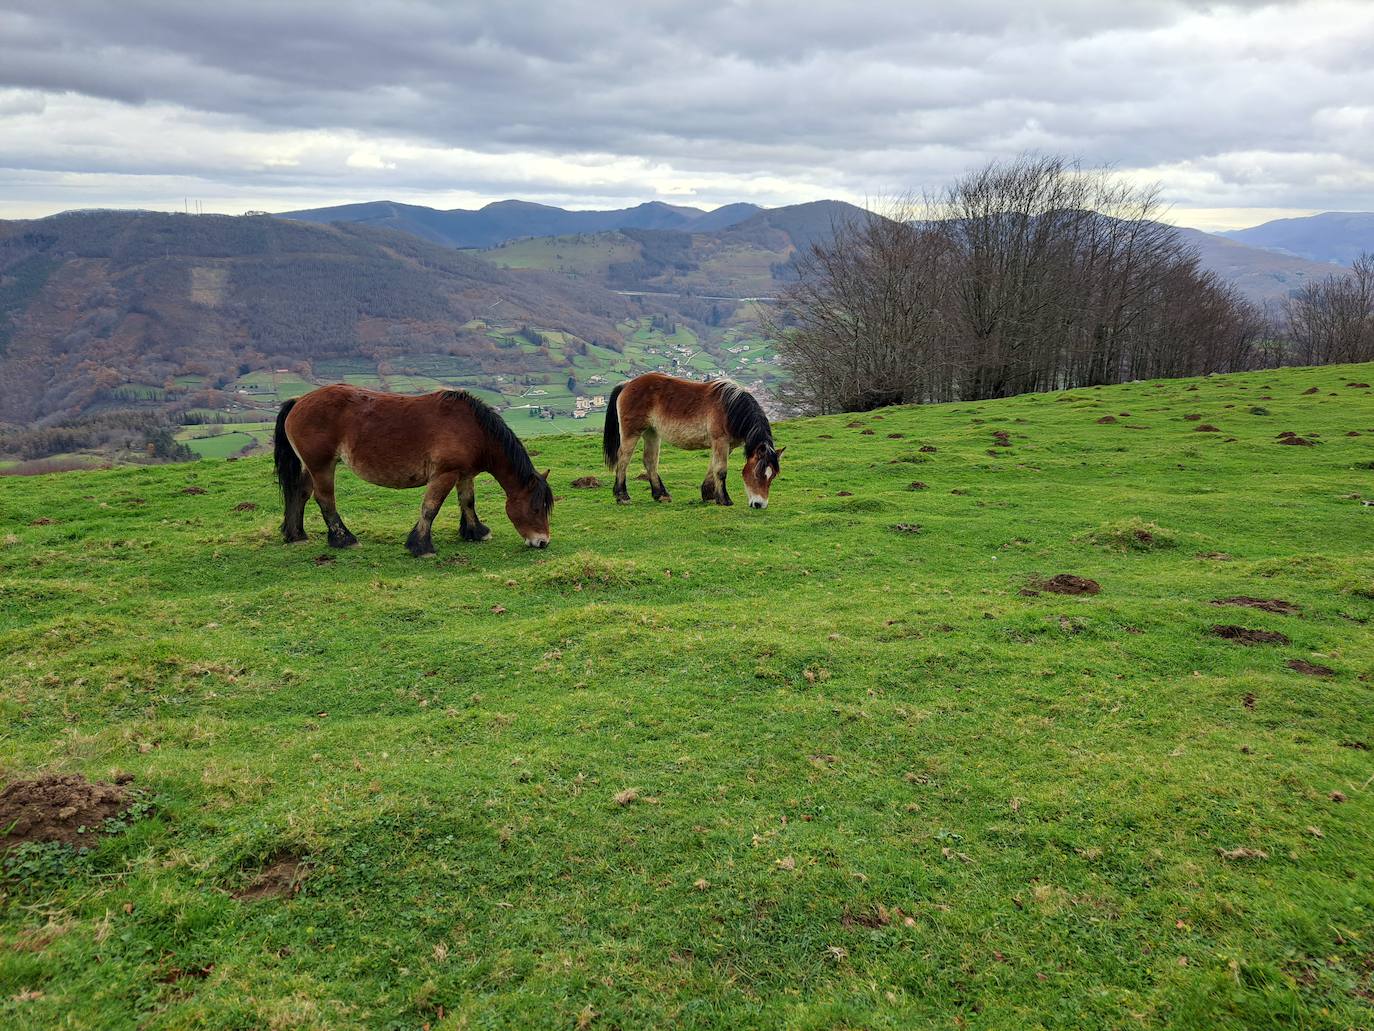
column 59, row 807
column 1246, row 635
column 1067, row 583
column 586, row 482
column 280, row 878
column 1283, row 608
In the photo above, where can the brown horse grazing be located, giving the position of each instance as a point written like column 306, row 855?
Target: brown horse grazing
column 437, row 441
column 695, row 416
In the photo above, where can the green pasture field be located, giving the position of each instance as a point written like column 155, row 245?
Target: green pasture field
column 846, row 762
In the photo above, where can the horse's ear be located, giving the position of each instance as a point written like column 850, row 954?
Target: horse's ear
column 780, row 450
column 545, row 473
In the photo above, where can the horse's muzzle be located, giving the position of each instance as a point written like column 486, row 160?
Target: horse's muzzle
column 538, row 542
column 758, row 504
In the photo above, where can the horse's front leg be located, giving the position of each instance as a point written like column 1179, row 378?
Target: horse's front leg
column 713, row 487
column 471, row 528
column 420, row 543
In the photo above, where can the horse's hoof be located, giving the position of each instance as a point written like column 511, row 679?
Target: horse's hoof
column 428, row 554
column 622, row 501
column 486, row 536
column 724, row 501
column 297, row 540
column 663, row 498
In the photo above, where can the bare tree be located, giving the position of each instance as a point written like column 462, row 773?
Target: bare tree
column 1333, row 320
column 1027, row 275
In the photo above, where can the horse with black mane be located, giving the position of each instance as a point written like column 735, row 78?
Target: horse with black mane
column 695, row 416
column 438, row 441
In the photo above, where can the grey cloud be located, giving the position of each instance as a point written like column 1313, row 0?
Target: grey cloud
column 865, row 96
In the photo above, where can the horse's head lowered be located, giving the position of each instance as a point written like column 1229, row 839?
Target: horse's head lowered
column 760, row 470
column 528, row 508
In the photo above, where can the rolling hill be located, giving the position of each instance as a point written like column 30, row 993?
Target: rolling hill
column 113, row 324
column 93, row 300
column 1337, row 237
column 506, row 220
column 1262, row 275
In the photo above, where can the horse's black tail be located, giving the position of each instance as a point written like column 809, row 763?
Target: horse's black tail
column 290, row 472
column 610, row 437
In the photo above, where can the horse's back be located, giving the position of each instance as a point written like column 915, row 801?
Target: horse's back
column 683, row 412
column 393, row 440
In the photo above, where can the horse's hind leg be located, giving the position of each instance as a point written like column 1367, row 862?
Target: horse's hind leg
column 471, row 528
column 339, row 536
column 293, row 521
column 651, row 446
column 622, row 463
column 420, row 543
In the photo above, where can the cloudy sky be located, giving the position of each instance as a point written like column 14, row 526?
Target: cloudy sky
column 1241, row 111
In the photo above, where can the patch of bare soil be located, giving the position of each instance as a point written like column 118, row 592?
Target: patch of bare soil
column 1207, row 427
column 280, row 878
column 324, row 560
column 1310, row 390
column 1358, row 386
column 245, row 506
column 1312, row 669
column 917, row 485
column 1296, row 441
column 1106, row 420
column 42, row 521
column 1245, row 635
column 865, row 433
column 194, row 490
column 586, row 482
column 1067, row 583
column 928, row 449
column 855, row 425
column 844, row 494
column 59, row 807
column 907, row 527
column 1283, row 608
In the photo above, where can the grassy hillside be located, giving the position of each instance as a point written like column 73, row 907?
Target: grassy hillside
column 845, row 762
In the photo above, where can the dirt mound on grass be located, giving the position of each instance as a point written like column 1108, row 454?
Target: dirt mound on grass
column 1245, row 635
column 1310, row 668
column 1067, row 583
column 280, row 878
column 1283, row 608
column 1207, row 427
column 1106, row 420
column 59, row 807
column 586, row 482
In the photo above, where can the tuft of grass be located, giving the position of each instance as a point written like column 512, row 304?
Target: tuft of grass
column 1133, row 534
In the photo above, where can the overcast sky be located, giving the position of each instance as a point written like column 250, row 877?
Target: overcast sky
column 1242, row 112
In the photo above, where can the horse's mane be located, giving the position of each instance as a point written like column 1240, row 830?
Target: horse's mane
column 744, row 416
column 489, row 419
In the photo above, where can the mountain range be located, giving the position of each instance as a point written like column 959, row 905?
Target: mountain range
column 1338, row 237
column 498, row 222
column 1265, row 262
column 97, row 304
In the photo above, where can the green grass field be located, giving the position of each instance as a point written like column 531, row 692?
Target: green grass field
column 841, row 763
